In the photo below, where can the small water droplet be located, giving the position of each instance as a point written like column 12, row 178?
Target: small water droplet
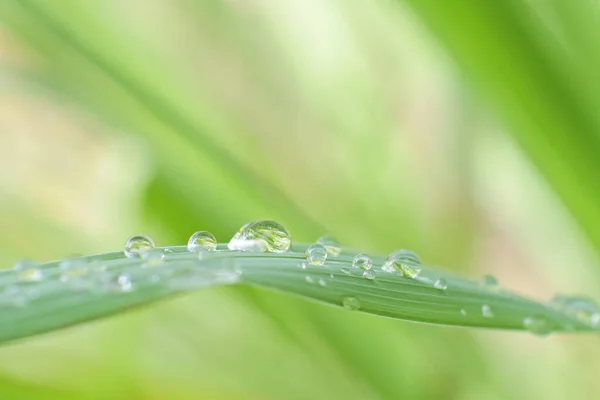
column 440, row 284
column 331, row 244
column 124, row 283
column 316, row 254
column 153, row 258
column 538, row 325
column 404, row 261
column 202, row 241
column 261, row 236
column 27, row 271
column 345, row 271
column 486, row 311
column 322, row 283
column 489, row 282
column 309, row 279
column 369, row 274
column 351, row 303
column 332, row 276
column 302, row 265
column 463, row 312
column 581, row 308
column 137, row 245
column 362, row 261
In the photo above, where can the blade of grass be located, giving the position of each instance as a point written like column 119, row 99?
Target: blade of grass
column 110, row 283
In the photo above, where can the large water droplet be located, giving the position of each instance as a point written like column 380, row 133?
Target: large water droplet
column 486, row 311
column 153, row 258
column 27, row 271
column 316, row 254
column 202, row 241
column 331, row 244
column 441, row 284
column 261, row 236
column 538, row 325
column 582, row 308
column 362, row 261
column 138, row 245
column 351, row 303
column 404, row 261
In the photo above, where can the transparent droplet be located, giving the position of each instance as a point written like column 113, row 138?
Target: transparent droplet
column 345, row 271
column 202, row 241
column 316, row 254
column 369, row 274
column 153, row 258
column 463, row 312
column 322, row 283
column 302, row 265
column 362, row 261
column 124, row 283
column 27, row 271
column 309, row 279
column 489, row 282
column 261, row 236
column 351, row 303
column 486, row 311
column 75, row 272
column 404, row 261
column 538, row 325
column 581, row 308
column 388, row 267
column 440, row 284
column 138, row 245
column 331, row 244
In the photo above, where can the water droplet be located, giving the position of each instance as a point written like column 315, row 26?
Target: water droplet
column 404, row 261
column 27, row 271
column 363, row 262
column 440, row 284
column 369, row 274
column 489, row 282
column 261, row 236
column 538, row 325
column 202, row 241
column 486, row 311
column 581, row 308
column 302, row 265
column 463, row 312
column 138, row 245
column 316, row 254
column 345, row 271
column 124, row 283
column 351, row 303
column 309, row 279
column 322, row 283
column 153, row 257
column 331, row 244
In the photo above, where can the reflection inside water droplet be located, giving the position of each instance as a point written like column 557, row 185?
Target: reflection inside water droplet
column 261, row 236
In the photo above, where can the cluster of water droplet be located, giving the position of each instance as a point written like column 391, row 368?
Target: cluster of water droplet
column 270, row 236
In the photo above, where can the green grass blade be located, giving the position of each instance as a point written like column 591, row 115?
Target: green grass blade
column 94, row 290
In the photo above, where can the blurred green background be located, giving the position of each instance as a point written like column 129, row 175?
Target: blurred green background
column 464, row 130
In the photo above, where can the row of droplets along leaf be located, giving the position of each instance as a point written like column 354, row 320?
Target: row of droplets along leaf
column 270, row 236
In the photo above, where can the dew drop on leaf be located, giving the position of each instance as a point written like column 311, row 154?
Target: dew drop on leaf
column 404, row 261
column 137, row 245
column 261, row 236
column 316, row 254
column 202, row 241
column 363, row 262
column 350, row 303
